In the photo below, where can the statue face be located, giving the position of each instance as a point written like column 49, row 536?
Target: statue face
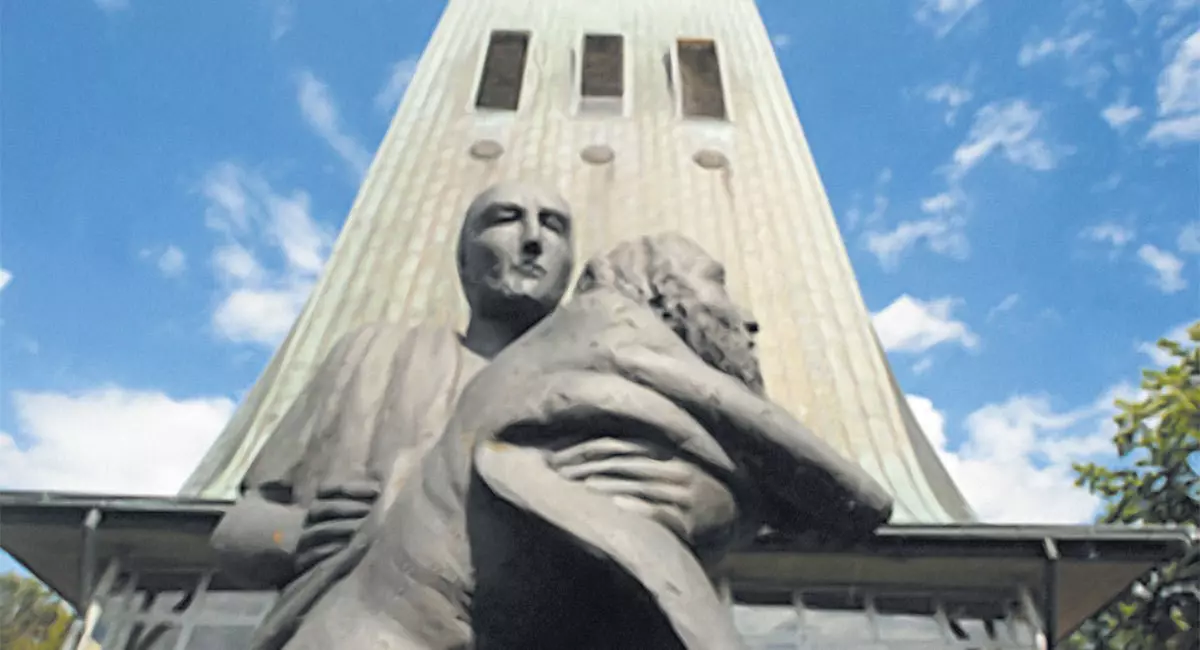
column 516, row 253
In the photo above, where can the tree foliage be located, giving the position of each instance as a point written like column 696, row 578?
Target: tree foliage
column 1154, row 482
column 31, row 616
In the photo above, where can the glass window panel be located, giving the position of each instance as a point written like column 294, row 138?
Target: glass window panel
column 836, row 615
column 220, row 637
column 603, row 69
column 503, row 71
column 976, row 620
column 700, row 79
column 151, row 636
column 239, row 603
column 907, row 618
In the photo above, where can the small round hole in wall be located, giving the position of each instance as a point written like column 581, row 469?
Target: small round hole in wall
column 710, row 159
column 486, row 150
column 598, row 154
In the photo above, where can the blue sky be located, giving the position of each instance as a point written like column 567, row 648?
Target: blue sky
column 1017, row 184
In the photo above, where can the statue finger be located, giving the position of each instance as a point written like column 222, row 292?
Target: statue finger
column 339, row 509
column 323, row 533
column 356, row 490
column 634, row 467
column 599, row 449
column 651, row 492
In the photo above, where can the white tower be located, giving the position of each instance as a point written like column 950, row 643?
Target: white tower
column 649, row 116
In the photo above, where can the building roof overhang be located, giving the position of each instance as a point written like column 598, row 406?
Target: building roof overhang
column 1072, row 571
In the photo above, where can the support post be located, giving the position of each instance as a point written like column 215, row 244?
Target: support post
column 87, row 561
column 1050, row 588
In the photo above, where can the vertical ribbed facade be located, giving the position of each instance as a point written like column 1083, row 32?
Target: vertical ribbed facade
column 746, row 188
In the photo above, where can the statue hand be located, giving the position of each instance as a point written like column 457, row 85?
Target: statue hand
column 332, row 520
column 642, row 479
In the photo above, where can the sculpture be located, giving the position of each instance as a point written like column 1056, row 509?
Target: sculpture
column 489, row 545
column 382, row 397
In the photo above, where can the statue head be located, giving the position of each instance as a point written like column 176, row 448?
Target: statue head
column 516, row 253
column 676, row 278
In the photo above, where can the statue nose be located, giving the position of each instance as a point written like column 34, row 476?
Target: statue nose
column 531, row 248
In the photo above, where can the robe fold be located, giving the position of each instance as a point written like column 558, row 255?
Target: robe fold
column 375, row 405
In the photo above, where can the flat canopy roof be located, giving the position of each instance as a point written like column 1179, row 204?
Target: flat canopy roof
column 44, row 531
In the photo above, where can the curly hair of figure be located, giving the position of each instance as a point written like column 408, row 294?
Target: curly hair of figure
column 661, row 271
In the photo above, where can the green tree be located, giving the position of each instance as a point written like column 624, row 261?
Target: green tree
column 1158, row 442
column 31, row 616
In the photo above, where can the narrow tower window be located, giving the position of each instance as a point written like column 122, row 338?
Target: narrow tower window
column 503, row 71
column 603, row 73
column 700, row 79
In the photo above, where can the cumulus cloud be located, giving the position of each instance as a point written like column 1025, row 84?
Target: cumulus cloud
column 110, row 440
column 1012, row 129
column 283, row 16
column 1109, row 232
column 1014, row 465
column 1178, row 93
column 1120, row 113
column 942, row 15
column 1167, row 267
column 270, row 254
column 321, row 114
column 942, row 231
column 912, row 325
column 1189, row 238
column 171, row 261
column 5, row 278
column 781, row 41
column 952, row 96
column 1159, row 357
column 400, row 75
column 1066, row 45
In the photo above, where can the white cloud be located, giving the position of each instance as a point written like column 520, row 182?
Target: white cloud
column 1014, row 465
column 952, row 96
column 855, row 216
column 913, row 325
column 1066, row 45
column 922, row 366
column 171, row 261
column 5, row 278
column 1179, row 96
column 1010, row 128
column 260, row 301
column 781, row 41
column 942, row 232
column 1159, row 357
column 1189, row 238
column 109, row 440
column 283, row 16
column 322, row 116
column 1120, row 113
column 109, row 6
column 942, row 15
column 1007, row 304
column 1109, row 232
column 401, row 74
column 1168, row 268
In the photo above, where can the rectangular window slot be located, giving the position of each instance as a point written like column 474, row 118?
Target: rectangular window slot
column 503, row 71
column 703, row 95
column 603, row 66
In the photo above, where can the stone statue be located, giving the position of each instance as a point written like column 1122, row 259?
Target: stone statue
column 491, row 544
column 383, row 397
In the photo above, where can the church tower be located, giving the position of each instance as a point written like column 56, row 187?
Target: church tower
column 648, row 116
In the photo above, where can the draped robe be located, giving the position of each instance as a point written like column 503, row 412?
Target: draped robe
column 486, row 547
column 375, row 405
